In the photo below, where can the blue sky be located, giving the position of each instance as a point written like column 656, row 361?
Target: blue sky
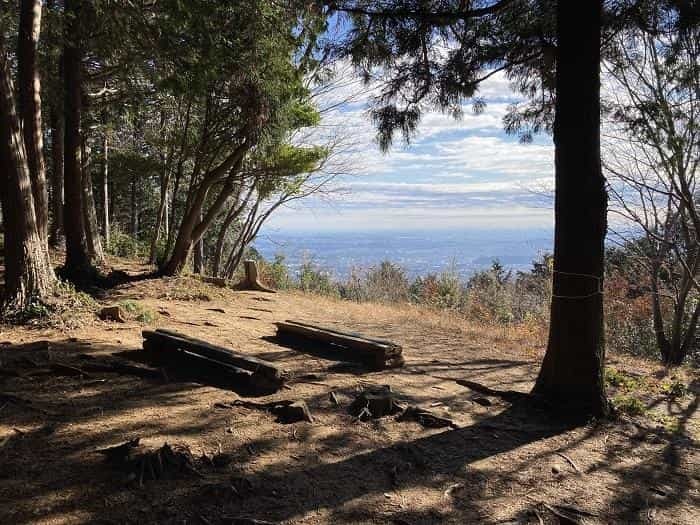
column 465, row 173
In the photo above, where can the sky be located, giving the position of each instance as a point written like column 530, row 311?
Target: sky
column 455, row 174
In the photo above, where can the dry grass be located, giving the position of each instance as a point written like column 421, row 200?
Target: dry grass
column 498, row 467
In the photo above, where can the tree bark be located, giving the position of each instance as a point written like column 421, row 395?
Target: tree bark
column 28, row 272
column 105, row 186
column 199, row 253
column 572, row 372
column 92, row 234
column 56, row 236
column 134, row 207
column 30, row 108
column 77, row 258
column 162, row 214
column 195, row 221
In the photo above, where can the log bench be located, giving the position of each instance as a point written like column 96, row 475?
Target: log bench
column 377, row 353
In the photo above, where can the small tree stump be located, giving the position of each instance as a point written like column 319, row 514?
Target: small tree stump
column 252, row 280
column 112, row 313
column 374, row 404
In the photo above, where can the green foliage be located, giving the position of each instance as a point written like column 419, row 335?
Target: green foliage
column 312, row 279
column 386, row 283
column 139, row 312
column 124, row 245
column 276, row 274
column 629, row 405
column 444, row 290
column 676, row 388
column 619, row 379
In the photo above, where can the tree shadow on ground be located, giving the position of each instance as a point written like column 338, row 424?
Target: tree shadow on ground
column 49, row 469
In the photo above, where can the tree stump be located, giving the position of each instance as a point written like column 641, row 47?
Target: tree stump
column 252, row 280
column 374, row 403
column 112, row 313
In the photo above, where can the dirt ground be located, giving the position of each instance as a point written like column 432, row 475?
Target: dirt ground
column 506, row 463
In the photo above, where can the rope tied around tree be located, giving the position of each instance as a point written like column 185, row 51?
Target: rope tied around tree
column 598, row 280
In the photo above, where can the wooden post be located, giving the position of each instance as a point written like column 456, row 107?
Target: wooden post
column 251, row 281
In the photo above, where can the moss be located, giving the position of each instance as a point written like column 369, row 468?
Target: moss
column 629, row 405
column 619, row 379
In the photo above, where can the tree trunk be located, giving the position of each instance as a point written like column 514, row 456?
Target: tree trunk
column 92, row 234
column 28, row 272
column 199, row 257
column 162, row 214
column 199, row 252
column 134, row 207
column 657, row 316
column 105, row 186
column 56, row 237
column 572, row 372
column 183, row 247
column 30, row 108
column 221, row 239
column 77, row 258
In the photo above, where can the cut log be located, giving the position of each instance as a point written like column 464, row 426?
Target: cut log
column 251, row 280
column 164, row 346
column 378, row 353
column 184, row 364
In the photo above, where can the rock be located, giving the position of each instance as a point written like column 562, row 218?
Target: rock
column 556, row 468
column 112, row 313
column 293, row 413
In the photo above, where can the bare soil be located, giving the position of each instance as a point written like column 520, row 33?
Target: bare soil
column 506, row 463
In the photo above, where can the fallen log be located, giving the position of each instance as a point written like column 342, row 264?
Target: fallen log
column 168, row 347
column 379, row 353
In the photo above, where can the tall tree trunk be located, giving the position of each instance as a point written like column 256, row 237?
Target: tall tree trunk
column 134, row 206
column 56, row 237
column 199, row 257
column 162, row 214
column 572, row 372
column 183, row 246
column 30, row 108
column 78, row 264
column 28, row 272
column 92, row 234
column 657, row 316
column 166, row 212
column 105, row 186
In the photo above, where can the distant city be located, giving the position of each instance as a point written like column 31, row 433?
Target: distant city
column 419, row 253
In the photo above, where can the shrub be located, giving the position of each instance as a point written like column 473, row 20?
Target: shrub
column 314, row 280
column 124, row 245
column 489, row 296
column 139, row 312
column 386, row 283
column 275, row 274
column 629, row 326
column 443, row 291
column 629, row 405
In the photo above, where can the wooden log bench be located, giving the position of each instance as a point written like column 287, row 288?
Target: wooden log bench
column 377, row 353
column 167, row 347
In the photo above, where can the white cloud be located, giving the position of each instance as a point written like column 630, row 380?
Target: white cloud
column 454, row 172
